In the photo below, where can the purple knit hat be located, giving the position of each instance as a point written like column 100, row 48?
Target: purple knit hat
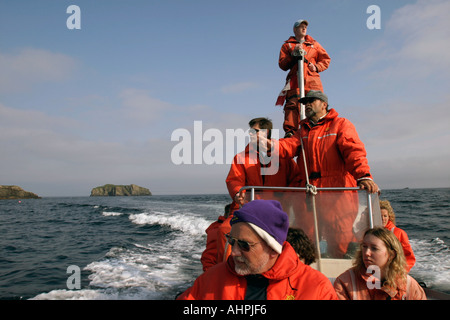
column 268, row 220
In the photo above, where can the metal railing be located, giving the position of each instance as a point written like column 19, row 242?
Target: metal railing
column 358, row 202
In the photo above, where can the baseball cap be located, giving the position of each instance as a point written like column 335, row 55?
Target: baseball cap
column 299, row 22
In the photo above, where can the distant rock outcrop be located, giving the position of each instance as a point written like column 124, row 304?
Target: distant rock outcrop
column 119, row 190
column 15, row 192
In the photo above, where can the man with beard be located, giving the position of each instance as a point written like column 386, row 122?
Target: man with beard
column 262, row 265
column 329, row 147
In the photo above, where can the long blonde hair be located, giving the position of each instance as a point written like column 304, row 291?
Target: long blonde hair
column 385, row 204
column 395, row 272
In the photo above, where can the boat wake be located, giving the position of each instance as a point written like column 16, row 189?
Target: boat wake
column 158, row 269
column 432, row 263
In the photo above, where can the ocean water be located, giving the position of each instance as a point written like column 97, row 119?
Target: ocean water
column 150, row 247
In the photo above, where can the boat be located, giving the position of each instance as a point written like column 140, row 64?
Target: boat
column 334, row 219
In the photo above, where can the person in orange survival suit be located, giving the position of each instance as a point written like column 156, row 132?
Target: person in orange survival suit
column 316, row 60
column 335, row 157
column 388, row 220
column 210, row 255
column 223, row 250
column 262, row 265
column 247, row 168
column 379, row 271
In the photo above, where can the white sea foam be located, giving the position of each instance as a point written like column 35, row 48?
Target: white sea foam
column 189, row 224
column 144, row 271
column 129, row 275
column 136, row 273
column 85, row 294
column 160, row 262
column 111, row 214
column 97, row 294
column 119, row 273
column 432, row 262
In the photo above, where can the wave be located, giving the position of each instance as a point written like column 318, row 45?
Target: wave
column 133, row 248
column 111, row 214
column 432, row 263
column 97, row 294
column 159, row 268
column 153, row 271
column 85, row 294
column 192, row 225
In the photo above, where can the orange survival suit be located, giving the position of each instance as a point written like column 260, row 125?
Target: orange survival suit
column 288, row 279
column 404, row 240
column 210, row 256
column 316, row 55
column 244, row 172
column 335, row 157
column 353, row 285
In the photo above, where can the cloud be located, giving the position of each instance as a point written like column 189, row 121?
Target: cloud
column 398, row 119
column 36, row 135
column 134, row 114
column 38, row 150
column 415, row 43
column 238, row 87
column 412, row 171
column 407, row 75
column 139, row 106
column 20, row 71
column 60, row 156
column 404, row 119
column 406, row 141
column 424, row 27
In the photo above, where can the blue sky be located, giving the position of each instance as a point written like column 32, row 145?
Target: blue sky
column 82, row 108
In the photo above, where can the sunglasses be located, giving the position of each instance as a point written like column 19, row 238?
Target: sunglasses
column 253, row 131
column 243, row 245
column 309, row 101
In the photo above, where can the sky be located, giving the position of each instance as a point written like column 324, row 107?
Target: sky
column 80, row 108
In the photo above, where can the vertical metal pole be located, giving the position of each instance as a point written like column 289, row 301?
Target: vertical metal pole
column 369, row 206
column 301, row 82
column 316, row 231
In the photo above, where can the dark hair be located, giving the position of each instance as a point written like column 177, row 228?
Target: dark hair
column 302, row 245
column 264, row 123
column 227, row 210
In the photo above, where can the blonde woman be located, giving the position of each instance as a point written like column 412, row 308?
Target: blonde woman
column 378, row 271
column 388, row 220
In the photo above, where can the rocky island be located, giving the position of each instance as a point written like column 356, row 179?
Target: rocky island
column 120, row 190
column 15, row 192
